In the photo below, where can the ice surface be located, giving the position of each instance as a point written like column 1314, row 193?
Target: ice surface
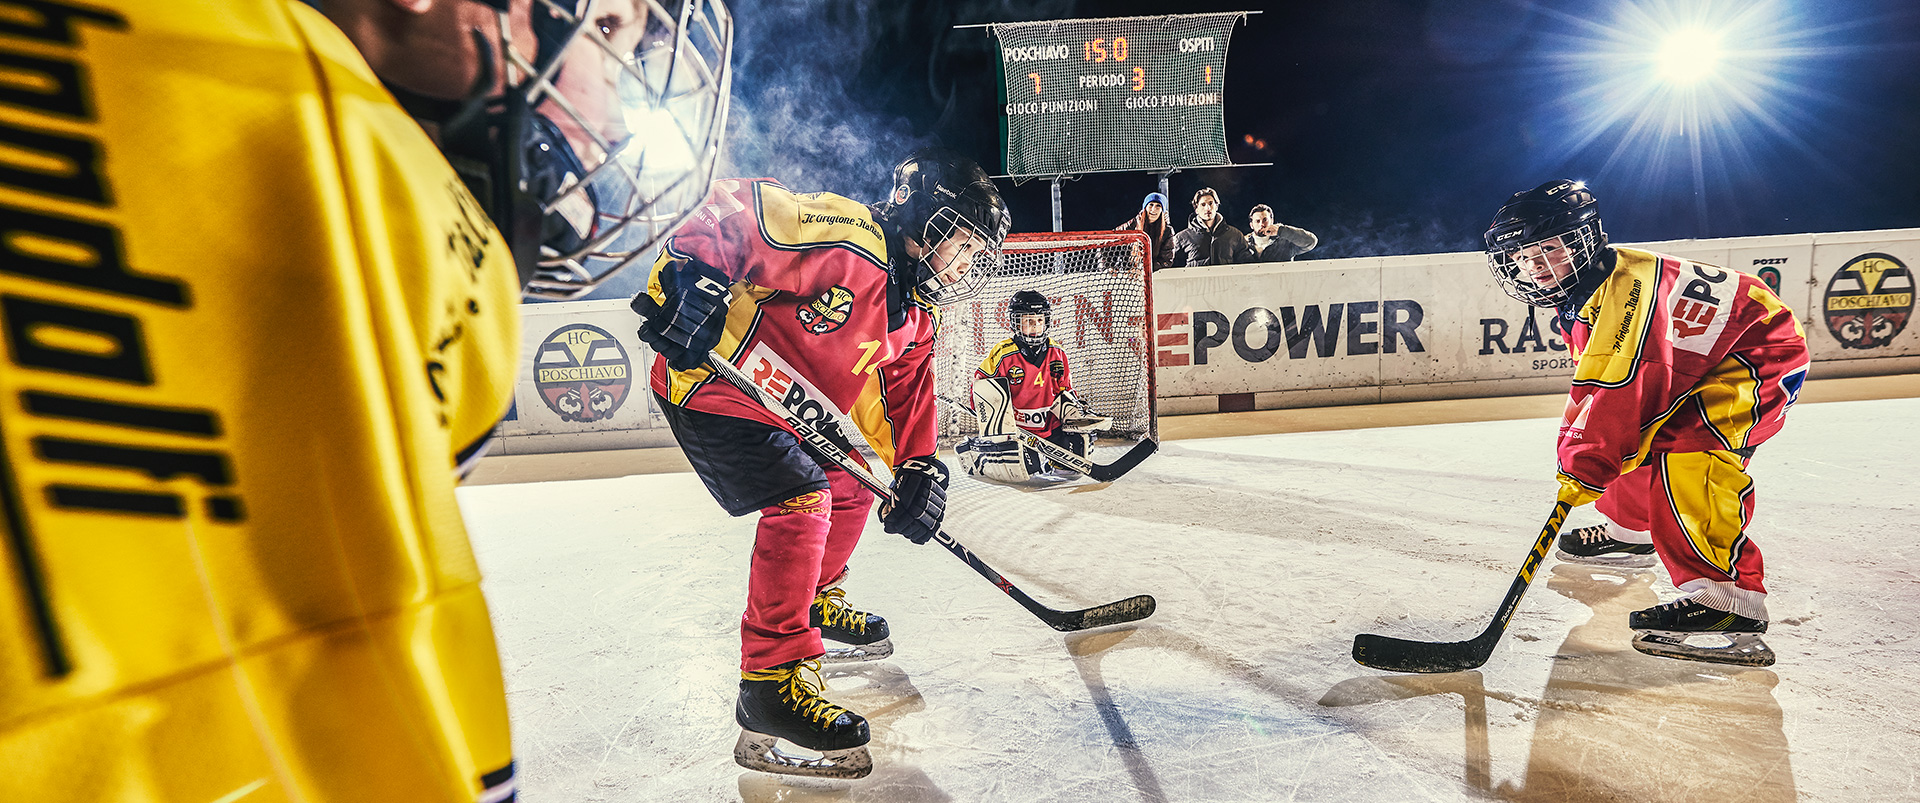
column 616, row 604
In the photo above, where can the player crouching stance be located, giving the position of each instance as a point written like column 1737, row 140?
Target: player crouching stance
column 829, row 306
column 1024, row 384
column 1683, row 369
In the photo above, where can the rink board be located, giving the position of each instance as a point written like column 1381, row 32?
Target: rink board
column 1298, row 334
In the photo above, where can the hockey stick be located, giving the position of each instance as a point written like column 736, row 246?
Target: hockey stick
column 1127, row 610
column 1100, row 472
column 1401, row 655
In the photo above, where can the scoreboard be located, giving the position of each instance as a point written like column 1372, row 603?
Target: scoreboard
column 1130, row 93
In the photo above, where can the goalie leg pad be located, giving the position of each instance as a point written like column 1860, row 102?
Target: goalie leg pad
column 998, row 457
column 993, row 406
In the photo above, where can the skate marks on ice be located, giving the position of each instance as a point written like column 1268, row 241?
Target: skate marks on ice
column 1612, row 724
column 1186, row 716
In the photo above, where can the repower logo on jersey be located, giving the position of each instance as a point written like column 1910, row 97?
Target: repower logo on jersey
column 1031, row 419
column 1868, row 301
column 582, row 373
column 1700, row 303
column 776, row 377
column 828, row 312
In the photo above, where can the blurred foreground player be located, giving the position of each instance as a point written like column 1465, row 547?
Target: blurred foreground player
column 830, row 306
column 1684, row 369
column 256, row 325
column 1025, row 384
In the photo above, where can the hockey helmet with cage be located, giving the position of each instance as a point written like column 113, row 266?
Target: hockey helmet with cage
column 1024, row 303
column 936, row 194
column 1554, row 227
column 592, row 140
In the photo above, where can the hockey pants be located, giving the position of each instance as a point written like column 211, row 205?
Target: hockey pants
column 800, row 549
column 1694, row 508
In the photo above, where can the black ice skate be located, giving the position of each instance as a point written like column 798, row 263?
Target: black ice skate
column 780, row 703
column 1592, row 546
column 865, row 634
column 1667, row 631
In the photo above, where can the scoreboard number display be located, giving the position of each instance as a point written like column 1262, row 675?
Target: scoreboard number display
column 1103, row 95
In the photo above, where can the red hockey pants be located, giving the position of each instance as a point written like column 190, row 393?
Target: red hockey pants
column 1695, row 506
column 800, row 549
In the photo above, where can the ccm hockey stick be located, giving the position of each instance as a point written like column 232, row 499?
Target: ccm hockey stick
column 1131, row 609
column 1100, row 472
column 1401, row 655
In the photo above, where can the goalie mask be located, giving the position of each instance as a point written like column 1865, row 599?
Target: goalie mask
column 1545, row 242
column 591, row 130
column 950, row 208
column 1030, row 315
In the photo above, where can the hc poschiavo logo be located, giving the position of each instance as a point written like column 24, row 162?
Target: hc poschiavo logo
column 1868, row 301
column 828, row 312
column 582, row 373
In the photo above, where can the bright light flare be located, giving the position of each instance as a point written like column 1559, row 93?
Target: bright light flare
column 1688, row 56
column 1687, row 86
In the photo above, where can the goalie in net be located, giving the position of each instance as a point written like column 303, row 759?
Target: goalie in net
column 1056, row 347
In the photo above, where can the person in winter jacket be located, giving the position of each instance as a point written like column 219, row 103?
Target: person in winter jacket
column 1152, row 220
column 1273, row 241
column 1209, row 240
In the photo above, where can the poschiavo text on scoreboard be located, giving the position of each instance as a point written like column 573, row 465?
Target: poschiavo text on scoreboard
column 1126, row 93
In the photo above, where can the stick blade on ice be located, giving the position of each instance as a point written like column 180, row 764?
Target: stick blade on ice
column 1112, row 471
column 1402, row 655
column 1132, row 609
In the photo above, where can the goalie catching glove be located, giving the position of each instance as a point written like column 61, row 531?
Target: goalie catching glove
column 919, row 499
column 686, row 322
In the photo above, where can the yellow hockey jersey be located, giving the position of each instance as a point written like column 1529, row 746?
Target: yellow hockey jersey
column 252, row 318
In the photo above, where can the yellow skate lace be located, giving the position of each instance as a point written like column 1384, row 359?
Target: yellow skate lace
column 797, row 690
column 834, row 608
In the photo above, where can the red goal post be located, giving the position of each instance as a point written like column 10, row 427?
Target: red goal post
column 1101, row 287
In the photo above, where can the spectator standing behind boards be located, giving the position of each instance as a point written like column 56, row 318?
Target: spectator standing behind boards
column 1209, row 240
column 1271, row 241
column 1152, row 220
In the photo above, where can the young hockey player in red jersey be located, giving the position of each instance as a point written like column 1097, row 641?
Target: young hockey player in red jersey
column 1025, row 384
column 828, row 305
column 1684, row 368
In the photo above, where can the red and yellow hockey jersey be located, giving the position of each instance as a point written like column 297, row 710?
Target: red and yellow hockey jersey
column 1034, row 387
column 810, row 319
column 252, row 317
column 1674, row 356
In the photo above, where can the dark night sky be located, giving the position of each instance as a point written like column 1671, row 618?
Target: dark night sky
column 1395, row 126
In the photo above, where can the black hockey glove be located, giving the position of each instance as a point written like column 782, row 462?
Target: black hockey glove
column 919, row 499
column 689, row 324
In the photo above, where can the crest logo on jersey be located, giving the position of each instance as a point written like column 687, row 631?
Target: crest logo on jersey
column 1701, row 301
column 1868, row 301
column 1016, row 374
column 828, row 312
column 1057, row 369
column 582, row 373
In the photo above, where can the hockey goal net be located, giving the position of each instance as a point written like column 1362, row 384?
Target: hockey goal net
column 1101, row 290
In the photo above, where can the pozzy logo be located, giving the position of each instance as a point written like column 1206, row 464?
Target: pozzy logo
column 582, row 373
column 1700, row 304
column 1868, row 301
column 827, row 312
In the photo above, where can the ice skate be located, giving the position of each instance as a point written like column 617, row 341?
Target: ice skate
column 781, row 704
column 1593, row 546
column 864, row 634
column 1671, row 630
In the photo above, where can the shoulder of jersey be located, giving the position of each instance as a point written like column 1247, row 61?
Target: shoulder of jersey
column 793, row 221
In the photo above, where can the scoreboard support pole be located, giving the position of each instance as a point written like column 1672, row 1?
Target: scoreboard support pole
column 1059, row 220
